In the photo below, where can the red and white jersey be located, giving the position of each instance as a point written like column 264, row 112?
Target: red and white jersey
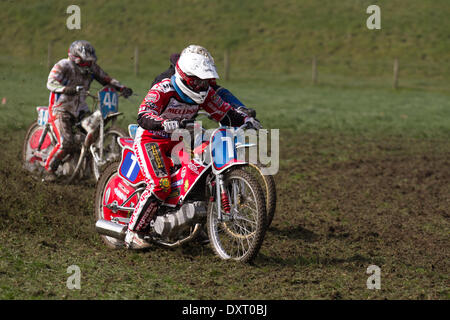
column 163, row 102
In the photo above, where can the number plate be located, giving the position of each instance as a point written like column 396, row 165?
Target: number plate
column 223, row 149
column 129, row 168
column 109, row 101
column 42, row 115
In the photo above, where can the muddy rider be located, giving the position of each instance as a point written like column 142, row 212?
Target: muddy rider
column 67, row 81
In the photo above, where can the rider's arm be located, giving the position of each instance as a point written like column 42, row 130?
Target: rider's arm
column 150, row 109
column 56, row 77
column 222, row 111
column 104, row 79
column 227, row 96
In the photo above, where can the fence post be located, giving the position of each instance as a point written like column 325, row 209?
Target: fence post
column 226, row 61
column 136, row 60
column 314, row 70
column 395, row 73
column 49, row 56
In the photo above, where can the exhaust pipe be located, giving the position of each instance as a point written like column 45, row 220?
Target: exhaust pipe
column 111, row 229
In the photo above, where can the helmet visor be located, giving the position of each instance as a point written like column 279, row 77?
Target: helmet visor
column 197, row 84
column 85, row 63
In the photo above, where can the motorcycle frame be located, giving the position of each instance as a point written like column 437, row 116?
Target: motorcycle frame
column 98, row 161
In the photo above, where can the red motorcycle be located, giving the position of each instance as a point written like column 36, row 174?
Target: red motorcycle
column 95, row 138
column 212, row 189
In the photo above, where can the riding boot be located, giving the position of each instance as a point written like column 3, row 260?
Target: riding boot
column 135, row 237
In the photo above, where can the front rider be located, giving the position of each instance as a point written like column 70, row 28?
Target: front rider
column 166, row 104
column 67, row 103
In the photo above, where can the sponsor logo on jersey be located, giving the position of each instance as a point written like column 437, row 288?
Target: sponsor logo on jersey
column 152, row 96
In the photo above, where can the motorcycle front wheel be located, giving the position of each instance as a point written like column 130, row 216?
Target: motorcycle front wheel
column 111, row 149
column 238, row 235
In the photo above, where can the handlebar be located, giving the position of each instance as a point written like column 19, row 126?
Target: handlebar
column 246, row 125
column 81, row 89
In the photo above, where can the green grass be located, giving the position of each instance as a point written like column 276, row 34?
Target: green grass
column 277, row 37
column 286, row 105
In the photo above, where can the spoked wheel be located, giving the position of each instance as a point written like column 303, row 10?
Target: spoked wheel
column 268, row 185
column 106, row 193
column 239, row 234
column 32, row 159
column 111, row 148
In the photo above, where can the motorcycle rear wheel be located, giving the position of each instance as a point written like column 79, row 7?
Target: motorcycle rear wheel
column 240, row 234
column 109, row 173
column 31, row 162
column 270, row 191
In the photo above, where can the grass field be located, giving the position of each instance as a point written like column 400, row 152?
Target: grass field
column 364, row 169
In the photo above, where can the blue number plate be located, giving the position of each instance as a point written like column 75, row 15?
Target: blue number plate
column 109, row 101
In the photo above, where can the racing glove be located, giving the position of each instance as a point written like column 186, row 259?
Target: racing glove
column 70, row 90
column 126, row 92
column 253, row 122
column 170, row 125
column 248, row 111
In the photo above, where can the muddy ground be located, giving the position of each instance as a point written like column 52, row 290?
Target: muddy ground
column 344, row 203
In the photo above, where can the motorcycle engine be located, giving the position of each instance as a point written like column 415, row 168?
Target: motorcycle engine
column 171, row 224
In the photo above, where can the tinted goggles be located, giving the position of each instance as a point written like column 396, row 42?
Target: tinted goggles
column 85, row 63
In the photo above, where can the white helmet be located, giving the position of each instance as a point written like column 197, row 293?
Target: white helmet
column 194, row 71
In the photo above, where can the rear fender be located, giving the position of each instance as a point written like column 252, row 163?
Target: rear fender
column 117, row 191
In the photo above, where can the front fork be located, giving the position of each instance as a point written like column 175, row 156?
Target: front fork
column 222, row 199
column 98, row 157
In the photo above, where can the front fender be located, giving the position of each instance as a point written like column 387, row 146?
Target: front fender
column 112, row 117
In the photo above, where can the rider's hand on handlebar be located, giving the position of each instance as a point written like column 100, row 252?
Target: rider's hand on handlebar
column 253, row 123
column 72, row 90
column 126, row 92
column 248, row 111
column 170, row 125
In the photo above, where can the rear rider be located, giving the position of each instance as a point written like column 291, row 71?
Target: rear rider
column 66, row 106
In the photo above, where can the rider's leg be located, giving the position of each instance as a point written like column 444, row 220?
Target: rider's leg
column 62, row 127
column 151, row 153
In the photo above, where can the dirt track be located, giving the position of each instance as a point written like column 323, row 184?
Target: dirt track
column 344, row 204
